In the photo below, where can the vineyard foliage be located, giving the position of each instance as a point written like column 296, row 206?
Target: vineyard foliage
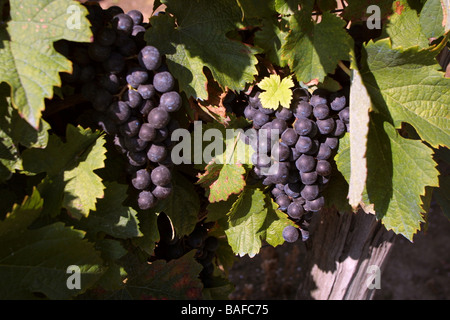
column 65, row 200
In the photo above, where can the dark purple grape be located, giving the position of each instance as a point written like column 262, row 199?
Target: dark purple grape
column 304, row 144
column 280, row 125
column 326, row 126
column 170, row 101
column 146, row 200
column 290, row 234
column 295, row 154
column 119, row 111
column 146, row 107
column 134, row 144
column 338, row 102
column 137, row 158
column 283, row 114
column 161, row 135
column 131, row 127
column 280, row 151
column 292, row 190
column 295, row 210
column 308, row 178
column 310, row 192
column 303, row 110
column 289, row 137
column 260, row 119
column 323, row 168
column 283, row 202
column 158, row 118
column 316, row 100
column 122, row 23
column 132, row 98
column 162, row 192
column 138, row 31
column 339, row 129
column 305, row 163
column 316, row 204
column 344, row 115
column 150, row 58
column 255, row 101
column 279, row 172
column 305, row 127
column 324, row 152
column 321, row 111
column 163, row 81
column 147, row 91
column 136, row 16
column 157, row 152
column 141, row 179
column 161, row 176
column 136, row 77
column 332, row 142
column 277, row 192
column 249, row 112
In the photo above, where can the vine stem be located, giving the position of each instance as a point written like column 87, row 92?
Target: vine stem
column 344, row 67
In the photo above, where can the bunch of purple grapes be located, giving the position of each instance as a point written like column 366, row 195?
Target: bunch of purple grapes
column 133, row 94
column 303, row 152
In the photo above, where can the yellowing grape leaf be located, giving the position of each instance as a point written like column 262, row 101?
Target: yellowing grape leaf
column 276, row 92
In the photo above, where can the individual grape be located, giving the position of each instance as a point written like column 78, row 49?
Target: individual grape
column 283, row 202
column 294, row 175
column 260, row 119
column 158, row 118
column 344, row 115
column 295, row 154
column 119, row 111
column 249, row 112
column 146, row 200
column 162, row 192
column 163, row 81
column 147, row 91
column 295, row 210
column 150, row 58
column 255, row 101
column 278, row 124
column 324, row 152
column 137, row 31
column 123, row 23
column 132, row 98
column 157, row 153
column 136, row 16
column 137, row 158
column 279, row 173
column 305, row 127
column 308, row 178
column 304, row 144
column 317, row 99
column 332, row 142
column 305, row 163
column 290, row 234
column 289, row 137
column 261, row 160
column 131, row 127
column 277, row 192
column 338, row 102
column 170, row 101
column 136, row 77
column 145, row 107
column 292, row 190
column 113, row 11
column 303, row 110
column 310, row 192
column 195, row 239
column 280, row 151
column 161, row 176
column 339, row 129
column 325, row 126
column 135, row 144
column 316, row 204
column 321, row 111
column 284, row 114
column 323, row 168
column 141, row 179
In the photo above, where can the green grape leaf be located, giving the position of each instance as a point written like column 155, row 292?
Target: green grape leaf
column 276, row 92
column 404, row 28
column 256, row 9
column 222, row 180
column 28, row 61
column 111, row 215
column 398, row 171
column 195, row 37
column 70, row 169
column 432, row 19
column 271, row 38
column 406, row 86
column 253, row 218
column 174, row 280
column 150, row 233
column 36, row 260
column 313, row 50
column 219, row 210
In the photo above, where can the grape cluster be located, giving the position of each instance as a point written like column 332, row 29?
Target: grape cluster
column 204, row 244
column 310, row 132
column 133, row 94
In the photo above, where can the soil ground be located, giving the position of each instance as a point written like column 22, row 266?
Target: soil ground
column 415, row 271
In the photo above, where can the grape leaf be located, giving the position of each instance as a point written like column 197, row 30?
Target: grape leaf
column 173, row 280
column 36, row 260
column 195, row 37
column 432, row 19
column 112, row 216
column 404, row 28
column 251, row 220
column 219, row 210
column 28, row 61
column 149, row 228
column 271, row 38
column 313, row 50
column 222, row 180
column 406, row 86
column 398, row 170
column 276, row 92
column 70, row 170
